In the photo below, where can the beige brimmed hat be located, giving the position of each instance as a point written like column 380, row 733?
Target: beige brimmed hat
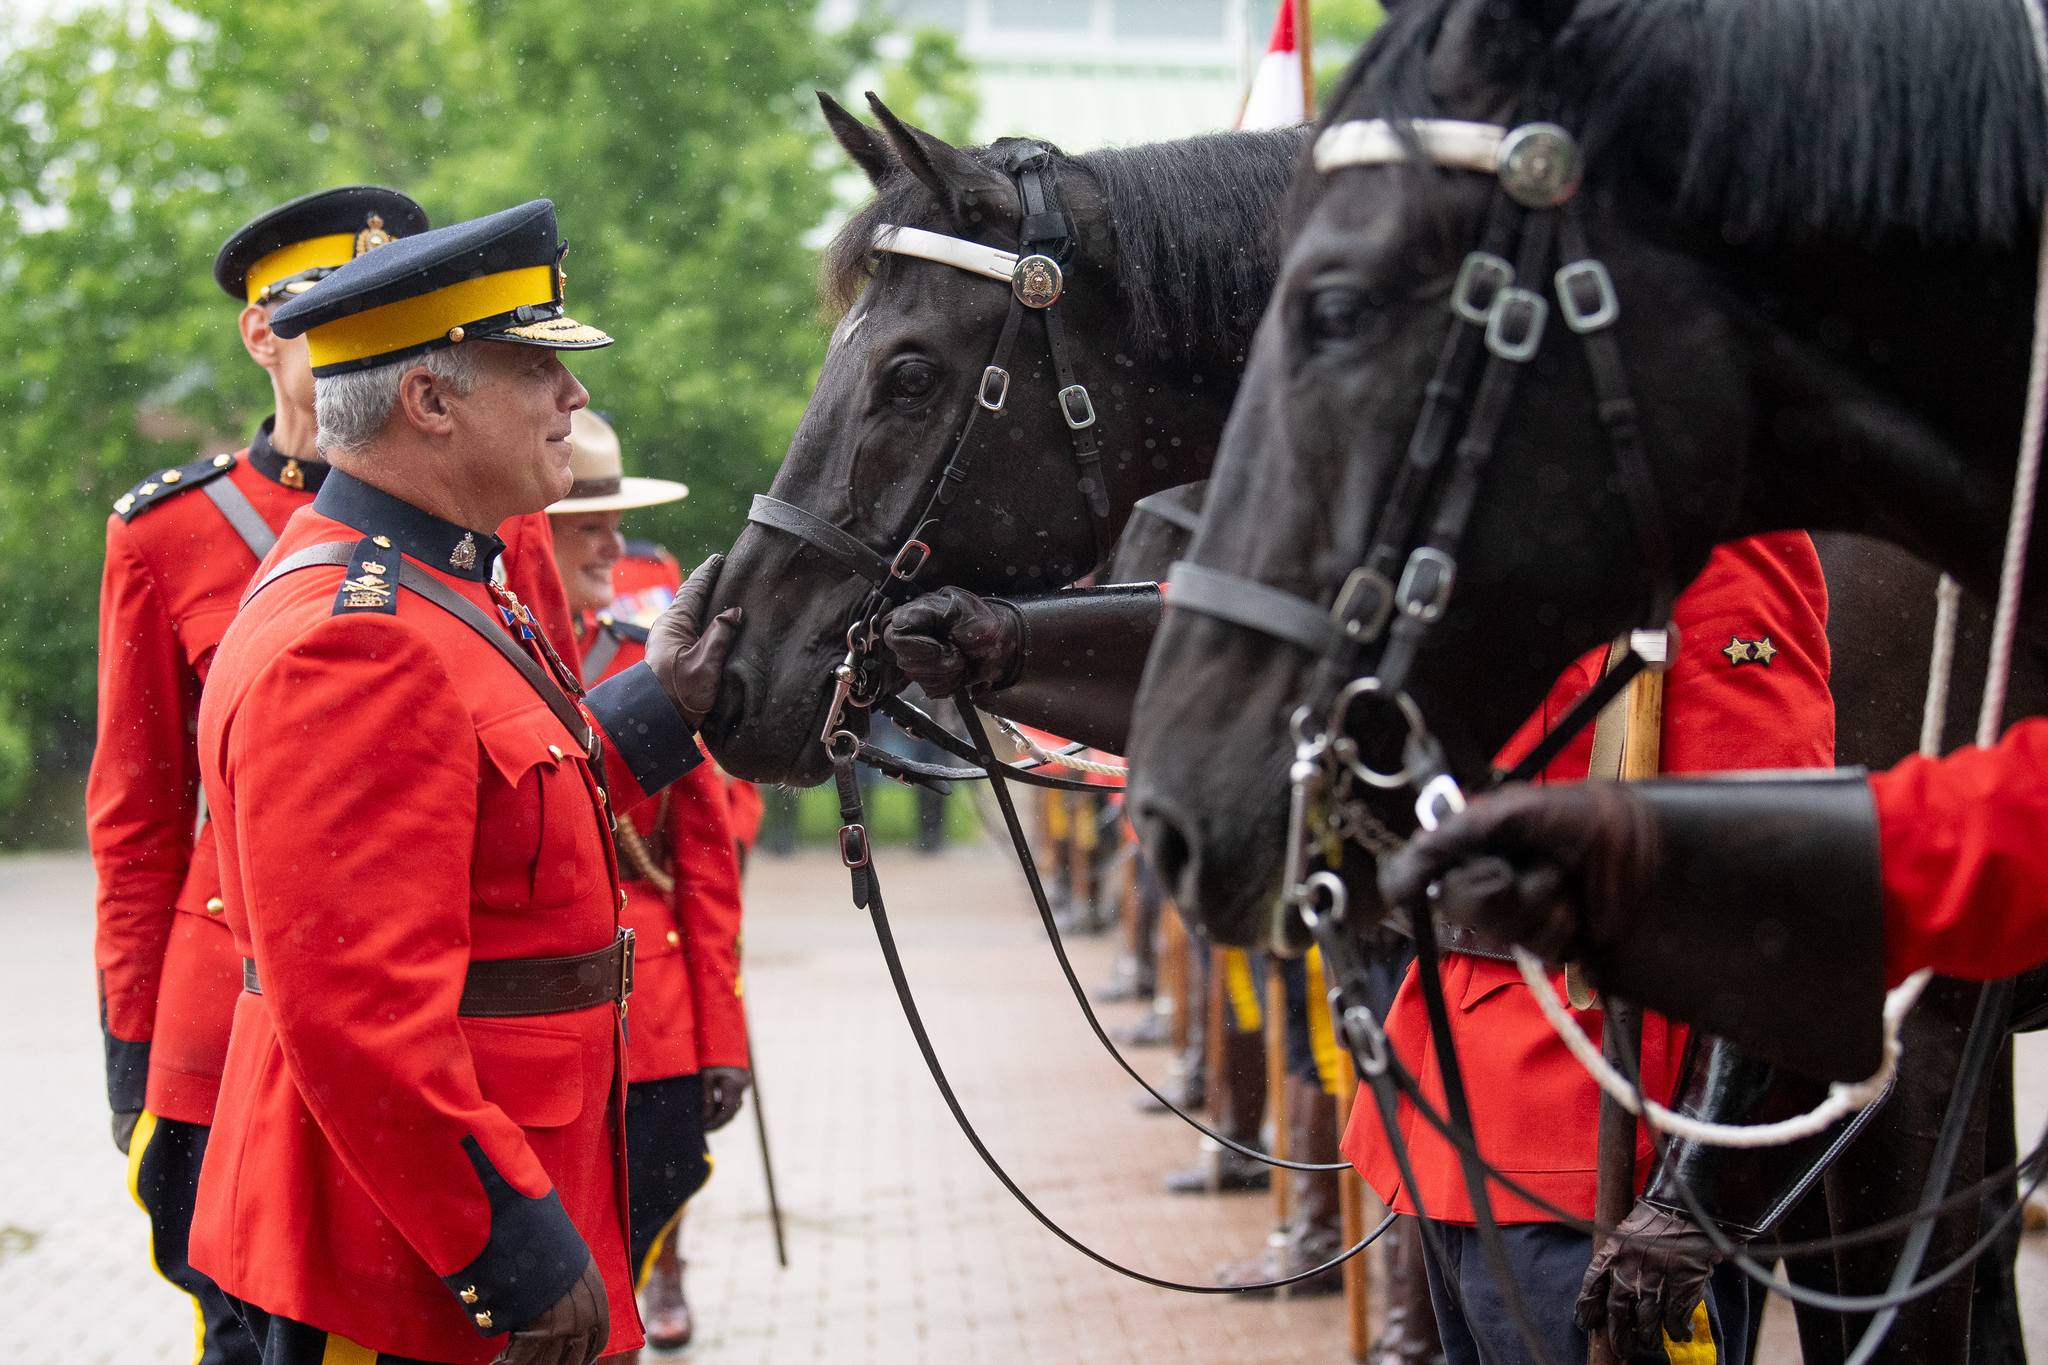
column 601, row 483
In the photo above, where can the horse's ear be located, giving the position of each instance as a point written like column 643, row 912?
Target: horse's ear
column 966, row 188
column 867, row 149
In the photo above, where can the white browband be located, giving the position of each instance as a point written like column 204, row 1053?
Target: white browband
column 972, row 257
column 1451, row 143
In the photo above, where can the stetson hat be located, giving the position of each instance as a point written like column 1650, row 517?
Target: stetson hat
column 601, row 483
column 497, row 278
column 284, row 252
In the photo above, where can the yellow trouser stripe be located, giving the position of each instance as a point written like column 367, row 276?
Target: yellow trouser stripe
column 342, row 1351
column 1700, row 1350
column 145, row 1129
column 1322, row 1038
column 1239, row 990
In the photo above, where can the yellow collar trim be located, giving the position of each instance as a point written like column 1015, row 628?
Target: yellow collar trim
column 338, row 248
column 406, row 323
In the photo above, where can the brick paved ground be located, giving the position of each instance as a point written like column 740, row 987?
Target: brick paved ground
column 902, row 1247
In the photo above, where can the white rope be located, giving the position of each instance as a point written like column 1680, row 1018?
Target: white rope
column 1042, row 756
column 1941, row 663
column 1843, row 1098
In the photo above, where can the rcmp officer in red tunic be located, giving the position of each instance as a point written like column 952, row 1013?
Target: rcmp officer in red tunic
column 686, row 1053
column 175, row 567
column 418, row 1152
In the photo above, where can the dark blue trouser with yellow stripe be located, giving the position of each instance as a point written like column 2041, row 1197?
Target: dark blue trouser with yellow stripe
column 163, row 1174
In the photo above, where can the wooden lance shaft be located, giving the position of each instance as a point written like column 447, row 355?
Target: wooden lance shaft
column 1641, row 756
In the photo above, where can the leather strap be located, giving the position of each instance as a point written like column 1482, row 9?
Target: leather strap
column 241, row 514
column 1168, row 508
column 820, row 535
column 514, row 987
column 338, row 553
column 604, row 647
column 1249, row 603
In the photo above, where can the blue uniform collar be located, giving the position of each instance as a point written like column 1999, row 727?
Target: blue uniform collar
column 433, row 542
column 280, row 468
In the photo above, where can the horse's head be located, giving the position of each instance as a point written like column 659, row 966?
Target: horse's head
column 935, row 336
column 1501, row 523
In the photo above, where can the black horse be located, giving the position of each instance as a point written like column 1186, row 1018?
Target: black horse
column 1173, row 259
column 1819, row 222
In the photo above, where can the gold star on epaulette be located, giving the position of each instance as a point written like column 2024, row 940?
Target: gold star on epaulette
column 1763, row 651
column 1737, row 650
column 1757, row 651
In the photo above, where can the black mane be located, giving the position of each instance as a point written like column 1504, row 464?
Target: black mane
column 1194, row 224
column 1790, row 120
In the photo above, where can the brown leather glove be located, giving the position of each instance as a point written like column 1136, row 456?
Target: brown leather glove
column 573, row 1332
column 124, row 1128
column 951, row 639
column 1559, row 870
column 686, row 656
column 1646, row 1278
column 724, row 1088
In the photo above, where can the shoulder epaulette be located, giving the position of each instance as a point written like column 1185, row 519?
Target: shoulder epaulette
column 167, row 484
column 647, row 549
column 371, row 582
column 625, row 630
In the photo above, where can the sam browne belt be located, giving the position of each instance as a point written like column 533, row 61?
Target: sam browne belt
column 509, row 987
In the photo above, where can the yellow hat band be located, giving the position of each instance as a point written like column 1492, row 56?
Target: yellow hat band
column 406, row 323
column 315, row 253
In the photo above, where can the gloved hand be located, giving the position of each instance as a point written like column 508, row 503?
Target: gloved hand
column 724, row 1088
column 951, row 639
column 687, row 657
column 1646, row 1278
column 124, row 1128
column 1559, row 870
column 572, row 1332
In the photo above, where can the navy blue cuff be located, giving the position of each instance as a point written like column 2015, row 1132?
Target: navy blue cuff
column 645, row 727
column 534, row 1256
column 127, row 1074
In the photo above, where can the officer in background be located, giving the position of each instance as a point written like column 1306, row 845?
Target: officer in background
column 175, row 568
column 686, row 1054
column 420, row 1133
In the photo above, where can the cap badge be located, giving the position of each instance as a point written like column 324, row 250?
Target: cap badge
column 373, row 235
column 463, row 556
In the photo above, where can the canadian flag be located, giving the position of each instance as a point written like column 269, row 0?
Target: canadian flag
column 1279, row 96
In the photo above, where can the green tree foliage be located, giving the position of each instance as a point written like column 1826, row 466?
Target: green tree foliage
column 1340, row 28
column 678, row 138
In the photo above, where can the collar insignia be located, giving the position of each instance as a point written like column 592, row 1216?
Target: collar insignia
column 463, row 556
column 1757, row 651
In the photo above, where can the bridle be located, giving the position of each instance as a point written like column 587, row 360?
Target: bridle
column 1037, row 282
column 1037, row 279
column 1365, row 643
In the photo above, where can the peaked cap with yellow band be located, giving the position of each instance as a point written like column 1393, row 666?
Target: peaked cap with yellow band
column 283, row 252
column 490, row 279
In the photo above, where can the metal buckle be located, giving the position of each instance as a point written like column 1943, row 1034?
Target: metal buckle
column 853, row 845
column 1482, row 271
column 898, row 571
column 1363, row 605
column 998, row 378
column 1426, row 584
column 626, row 937
column 1606, row 304
column 1531, row 309
column 1440, row 797
column 1087, row 409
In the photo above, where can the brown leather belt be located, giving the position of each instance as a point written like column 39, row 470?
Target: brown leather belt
column 513, row 986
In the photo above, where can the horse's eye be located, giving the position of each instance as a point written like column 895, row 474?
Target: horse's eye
column 913, row 381
column 1335, row 314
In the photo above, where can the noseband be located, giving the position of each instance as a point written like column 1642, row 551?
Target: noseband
column 1037, row 281
column 1367, row 641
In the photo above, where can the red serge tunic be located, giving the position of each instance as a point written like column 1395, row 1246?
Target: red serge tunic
column 175, row 571
column 686, row 1012
column 393, row 801
column 1749, row 689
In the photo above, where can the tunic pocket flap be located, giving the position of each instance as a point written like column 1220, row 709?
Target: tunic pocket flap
column 534, row 1075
